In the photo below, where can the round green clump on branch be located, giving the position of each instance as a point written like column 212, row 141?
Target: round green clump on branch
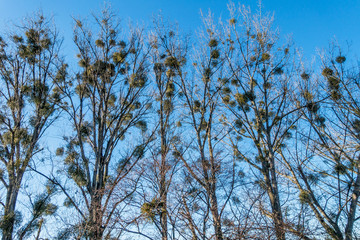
column 100, row 43
column 226, row 99
column 356, row 126
column 142, row 125
column 213, row 43
column 340, row 168
column 206, row 78
column 122, row 44
column 170, row 73
column 226, row 90
column 334, row 82
column 59, row 151
column 241, row 98
column 158, row 67
column 151, row 209
column 223, row 80
column 267, row 85
column 171, row 62
column 128, row 116
column 278, row 71
column 250, row 95
column 232, row 104
column 77, row 174
column 313, row 107
column 304, row 197
column 320, row 120
column 178, row 124
column 232, row 21
column 83, row 63
column 119, row 57
column 327, row 72
column 215, row 54
column 235, row 82
column 137, row 80
column 112, row 42
column 170, row 89
column 253, row 58
column 340, row 59
column 265, row 57
column 335, row 95
column 238, row 124
column 305, row 76
column 168, row 105
column 132, row 50
column 308, row 96
column 196, row 106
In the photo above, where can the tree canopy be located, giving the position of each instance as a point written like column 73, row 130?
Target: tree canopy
column 224, row 134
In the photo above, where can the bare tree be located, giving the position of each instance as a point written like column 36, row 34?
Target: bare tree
column 202, row 152
column 325, row 168
column 28, row 63
column 166, row 49
column 104, row 102
column 257, row 92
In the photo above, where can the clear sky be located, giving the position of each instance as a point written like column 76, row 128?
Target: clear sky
column 312, row 23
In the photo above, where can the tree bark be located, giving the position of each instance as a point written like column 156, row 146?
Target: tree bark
column 95, row 225
column 273, row 193
column 9, row 212
column 215, row 215
column 354, row 201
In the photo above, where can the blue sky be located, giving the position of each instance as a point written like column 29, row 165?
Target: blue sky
column 312, row 23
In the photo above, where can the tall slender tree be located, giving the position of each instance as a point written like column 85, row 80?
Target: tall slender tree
column 28, row 63
column 104, row 102
column 325, row 167
column 166, row 49
column 203, row 159
column 257, row 92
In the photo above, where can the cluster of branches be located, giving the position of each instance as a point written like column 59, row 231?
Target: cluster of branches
column 223, row 135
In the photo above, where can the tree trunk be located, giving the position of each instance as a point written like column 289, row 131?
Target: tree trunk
column 163, row 214
column 163, row 171
column 352, row 211
column 215, row 214
column 9, row 212
column 95, row 229
column 273, row 193
column 163, row 200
